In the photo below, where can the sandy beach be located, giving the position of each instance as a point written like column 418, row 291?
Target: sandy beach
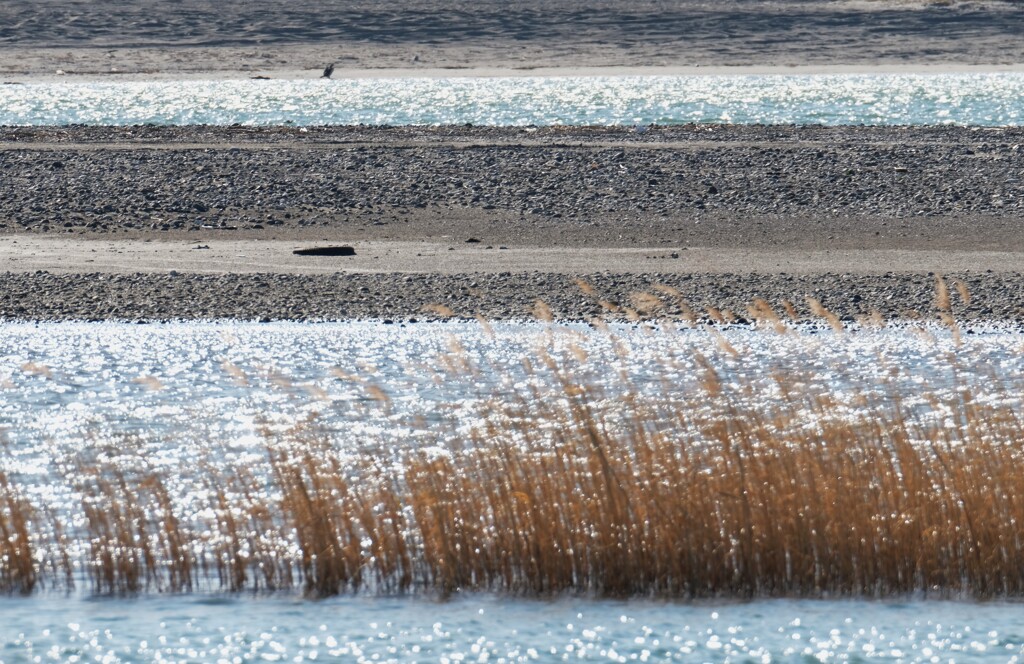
column 723, row 213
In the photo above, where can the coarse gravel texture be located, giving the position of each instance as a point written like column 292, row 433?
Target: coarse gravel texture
column 605, row 186
column 401, row 298
column 816, row 188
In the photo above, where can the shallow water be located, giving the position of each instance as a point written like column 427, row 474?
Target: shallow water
column 987, row 99
column 489, row 629
column 214, row 391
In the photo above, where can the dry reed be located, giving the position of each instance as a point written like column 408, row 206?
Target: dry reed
column 710, row 490
column 18, row 572
column 136, row 541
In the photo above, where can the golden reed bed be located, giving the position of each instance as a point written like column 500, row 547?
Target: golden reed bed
column 682, row 494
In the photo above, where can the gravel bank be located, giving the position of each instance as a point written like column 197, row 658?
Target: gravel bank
column 953, row 190
column 402, row 298
column 573, row 185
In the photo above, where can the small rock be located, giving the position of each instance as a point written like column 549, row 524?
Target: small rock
column 326, row 251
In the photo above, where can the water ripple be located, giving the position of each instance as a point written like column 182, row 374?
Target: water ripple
column 986, row 99
column 483, row 628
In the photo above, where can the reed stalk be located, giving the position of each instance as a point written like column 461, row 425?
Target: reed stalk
column 18, row 569
column 724, row 487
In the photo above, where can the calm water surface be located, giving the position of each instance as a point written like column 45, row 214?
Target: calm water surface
column 488, row 629
column 986, row 99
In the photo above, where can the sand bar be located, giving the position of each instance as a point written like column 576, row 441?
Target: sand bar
column 729, row 213
column 64, row 255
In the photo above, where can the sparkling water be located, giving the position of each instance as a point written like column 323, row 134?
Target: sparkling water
column 72, row 381
column 212, row 391
column 492, row 629
column 986, row 99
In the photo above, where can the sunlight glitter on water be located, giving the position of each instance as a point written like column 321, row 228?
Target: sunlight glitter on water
column 488, row 629
column 168, row 390
column 985, row 99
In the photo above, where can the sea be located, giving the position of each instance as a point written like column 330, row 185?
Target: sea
column 182, row 392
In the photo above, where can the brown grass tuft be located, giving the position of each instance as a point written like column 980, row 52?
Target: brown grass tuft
column 542, row 312
column 37, row 369
column 441, row 310
column 646, row 304
column 942, row 302
column 685, row 311
column 763, row 314
column 586, row 288
column 819, row 310
column 135, row 540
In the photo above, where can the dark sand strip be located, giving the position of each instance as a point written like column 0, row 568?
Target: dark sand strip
column 116, row 36
column 810, row 188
